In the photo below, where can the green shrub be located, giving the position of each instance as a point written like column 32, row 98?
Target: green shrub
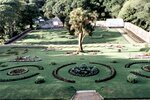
column 3, row 65
column 147, row 49
column 53, row 63
column 114, row 61
column 132, row 78
column 39, row 80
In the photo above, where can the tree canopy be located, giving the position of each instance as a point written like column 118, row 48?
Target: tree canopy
column 137, row 12
column 15, row 15
column 81, row 21
column 9, row 15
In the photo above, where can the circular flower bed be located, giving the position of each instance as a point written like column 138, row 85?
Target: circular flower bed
column 84, row 70
column 132, row 63
column 87, row 71
column 146, row 68
column 17, row 71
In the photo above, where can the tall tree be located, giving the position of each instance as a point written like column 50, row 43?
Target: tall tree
column 80, row 21
column 10, row 13
column 61, row 9
column 113, row 6
column 137, row 12
column 30, row 12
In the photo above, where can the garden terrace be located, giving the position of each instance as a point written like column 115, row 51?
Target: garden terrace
column 60, row 51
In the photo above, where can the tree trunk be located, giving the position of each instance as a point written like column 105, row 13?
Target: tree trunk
column 31, row 25
column 2, row 33
column 80, row 40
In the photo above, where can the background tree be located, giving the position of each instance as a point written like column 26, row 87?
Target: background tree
column 80, row 21
column 14, row 16
column 137, row 13
column 30, row 12
column 61, row 9
column 113, row 7
column 9, row 15
column 39, row 3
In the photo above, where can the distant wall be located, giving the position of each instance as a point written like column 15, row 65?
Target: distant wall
column 138, row 31
column 144, row 35
column 114, row 23
column 101, row 23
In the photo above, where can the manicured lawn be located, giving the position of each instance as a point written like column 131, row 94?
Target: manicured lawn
column 54, row 56
column 61, row 36
column 53, row 88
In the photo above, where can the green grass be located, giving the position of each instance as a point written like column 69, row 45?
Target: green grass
column 55, row 89
column 46, row 37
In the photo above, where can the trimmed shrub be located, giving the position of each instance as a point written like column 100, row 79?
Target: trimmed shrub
column 145, row 49
column 56, row 75
column 20, row 78
column 132, row 78
column 119, row 50
column 3, row 65
column 132, row 63
column 39, row 67
column 142, row 75
column 114, row 61
column 39, row 80
column 111, row 75
column 53, row 63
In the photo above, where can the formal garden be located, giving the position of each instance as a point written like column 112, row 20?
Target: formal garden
column 53, row 49
column 56, row 72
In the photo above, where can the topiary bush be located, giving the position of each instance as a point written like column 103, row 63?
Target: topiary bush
column 53, row 63
column 131, row 78
column 114, row 61
column 3, row 65
column 147, row 49
column 39, row 80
